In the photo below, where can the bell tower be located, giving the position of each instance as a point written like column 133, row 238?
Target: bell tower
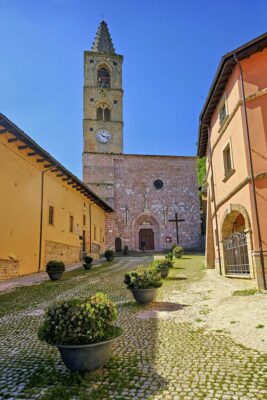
column 102, row 96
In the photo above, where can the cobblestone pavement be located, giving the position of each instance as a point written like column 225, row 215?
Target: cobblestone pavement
column 157, row 358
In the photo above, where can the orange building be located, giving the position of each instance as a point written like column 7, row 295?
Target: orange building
column 233, row 136
column 45, row 211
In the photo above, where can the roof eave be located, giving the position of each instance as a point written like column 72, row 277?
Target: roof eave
column 22, row 136
column 242, row 52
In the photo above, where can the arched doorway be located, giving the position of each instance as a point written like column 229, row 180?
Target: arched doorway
column 146, row 227
column 146, row 236
column 234, row 230
column 118, row 246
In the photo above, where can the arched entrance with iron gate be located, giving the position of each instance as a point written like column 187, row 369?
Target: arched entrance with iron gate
column 236, row 241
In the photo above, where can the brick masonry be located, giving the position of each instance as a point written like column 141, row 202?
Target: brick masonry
column 9, row 269
column 127, row 182
column 61, row 252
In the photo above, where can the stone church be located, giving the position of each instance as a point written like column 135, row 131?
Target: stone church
column 155, row 197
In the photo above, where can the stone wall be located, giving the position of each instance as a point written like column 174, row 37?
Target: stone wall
column 61, row 252
column 9, row 269
column 127, row 183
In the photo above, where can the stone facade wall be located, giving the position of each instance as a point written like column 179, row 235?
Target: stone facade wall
column 61, row 252
column 127, row 183
column 110, row 233
column 9, row 269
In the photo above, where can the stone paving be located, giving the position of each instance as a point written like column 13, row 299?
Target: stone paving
column 157, row 358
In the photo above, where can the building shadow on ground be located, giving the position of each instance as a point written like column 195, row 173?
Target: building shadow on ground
column 176, row 278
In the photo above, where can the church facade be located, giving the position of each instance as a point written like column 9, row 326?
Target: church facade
column 155, row 197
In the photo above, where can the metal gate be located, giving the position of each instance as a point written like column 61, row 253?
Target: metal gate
column 236, row 254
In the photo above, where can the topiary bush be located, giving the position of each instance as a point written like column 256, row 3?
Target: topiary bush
column 53, row 267
column 143, row 278
column 109, row 254
column 161, row 264
column 88, row 260
column 169, row 256
column 75, row 322
column 178, row 251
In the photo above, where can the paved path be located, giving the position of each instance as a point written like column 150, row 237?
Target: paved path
column 157, row 358
column 33, row 279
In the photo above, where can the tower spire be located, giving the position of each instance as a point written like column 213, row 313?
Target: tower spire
column 103, row 42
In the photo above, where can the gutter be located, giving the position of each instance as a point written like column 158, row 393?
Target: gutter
column 254, row 196
column 214, row 200
column 90, row 227
column 41, row 217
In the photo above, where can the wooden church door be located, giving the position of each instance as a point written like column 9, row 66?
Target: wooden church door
column 148, row 236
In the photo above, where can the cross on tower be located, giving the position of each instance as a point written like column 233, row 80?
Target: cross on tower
column 176, row 220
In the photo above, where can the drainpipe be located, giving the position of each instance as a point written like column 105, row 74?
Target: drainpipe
column 214, row 200
column 41, row 217
column 252, row 172
column 90, row 227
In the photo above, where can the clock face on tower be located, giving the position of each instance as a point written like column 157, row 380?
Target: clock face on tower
column 103, row 136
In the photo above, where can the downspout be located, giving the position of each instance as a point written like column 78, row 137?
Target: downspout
column 41, row 217
column 90, row 227
column 252, row 172
column 214, row 200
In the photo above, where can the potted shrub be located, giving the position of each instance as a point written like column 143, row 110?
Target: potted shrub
column 82, row 330
column 143, row 284
column 178, row 251
column 109, row 254
column 169, row 256
column 55, row 269
column 125, row 250
column 162, row 266
column 88, row 262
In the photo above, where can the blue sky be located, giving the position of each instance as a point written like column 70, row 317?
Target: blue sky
column 171, row 51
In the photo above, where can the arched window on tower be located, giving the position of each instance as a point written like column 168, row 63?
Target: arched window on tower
column 99, row 113
column 103, row 113
column 107, row 114
column 103, row 78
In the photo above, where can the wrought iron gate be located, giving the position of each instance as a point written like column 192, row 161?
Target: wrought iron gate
column 236, row 254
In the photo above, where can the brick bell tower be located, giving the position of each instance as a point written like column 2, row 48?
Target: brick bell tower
column 102, row 115
column 102, row 96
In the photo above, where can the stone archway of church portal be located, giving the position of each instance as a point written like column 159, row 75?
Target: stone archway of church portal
column 146, row 221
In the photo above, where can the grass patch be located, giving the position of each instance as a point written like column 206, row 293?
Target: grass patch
column 25, row 297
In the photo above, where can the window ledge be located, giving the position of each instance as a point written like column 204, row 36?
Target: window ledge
column 223, row 123
column 239, row 276
column 228, row 175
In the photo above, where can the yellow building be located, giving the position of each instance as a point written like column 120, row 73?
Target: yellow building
column 45, row 211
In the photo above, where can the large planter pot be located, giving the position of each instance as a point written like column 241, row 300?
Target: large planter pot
column 87, row 357
column 55, row 276
column 87, row 266
column 144, row 296
column 164, row 272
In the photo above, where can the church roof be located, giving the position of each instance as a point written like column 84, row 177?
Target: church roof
column 103, row 42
